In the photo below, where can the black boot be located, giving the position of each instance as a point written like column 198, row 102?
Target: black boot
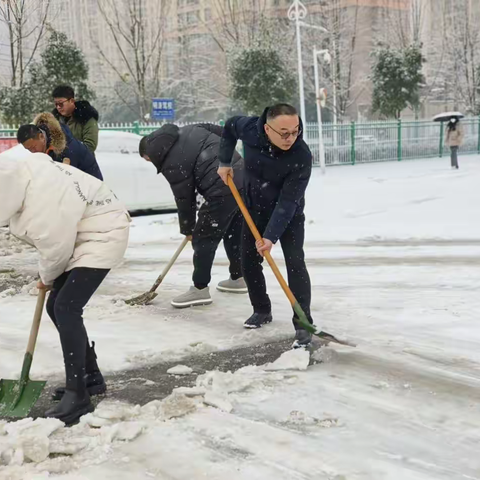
column 94, row 380
column 72, row 406
column 303, row 339
column 257, row 320
column 95, row 384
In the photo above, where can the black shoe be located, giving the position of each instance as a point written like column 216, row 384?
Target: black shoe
column 95, row 386
column 303, row 339
column 257, row 320
column 71, row 407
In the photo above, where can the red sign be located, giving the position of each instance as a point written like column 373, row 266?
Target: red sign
column 6, row 143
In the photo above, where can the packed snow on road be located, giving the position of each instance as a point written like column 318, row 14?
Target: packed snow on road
column 393, row 251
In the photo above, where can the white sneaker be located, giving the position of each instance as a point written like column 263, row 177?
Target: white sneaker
column 194, row 296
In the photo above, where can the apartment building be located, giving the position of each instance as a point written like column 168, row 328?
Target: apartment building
column 197, row 34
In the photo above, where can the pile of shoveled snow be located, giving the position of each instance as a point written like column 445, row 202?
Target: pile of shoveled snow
column 46, row 445
column 13, row 282
column 42, row 447
column 9, row 245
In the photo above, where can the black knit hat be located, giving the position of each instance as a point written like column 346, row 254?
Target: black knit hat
column 158, row 144
column 142, row 147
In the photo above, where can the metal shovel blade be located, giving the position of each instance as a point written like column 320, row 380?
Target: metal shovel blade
column 17, row 397
column 146, row 298
column 143, row 299
column 16, row 400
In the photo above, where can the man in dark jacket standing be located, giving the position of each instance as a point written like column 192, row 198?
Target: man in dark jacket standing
column 188, row 158
column 80, row 116
column 278, row 165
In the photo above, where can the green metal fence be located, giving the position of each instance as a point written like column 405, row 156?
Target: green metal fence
column 348, row 144
column 351, row 143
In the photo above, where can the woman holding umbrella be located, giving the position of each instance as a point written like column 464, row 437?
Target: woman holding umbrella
column 454, row 139
column 453, row 135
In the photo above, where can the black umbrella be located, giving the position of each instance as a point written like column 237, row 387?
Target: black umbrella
column 447, row 116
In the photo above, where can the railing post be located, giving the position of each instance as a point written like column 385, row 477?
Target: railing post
column 440, row 147
column 352, row 142
column 479, row 134
column 399, row 136
column 136, row 127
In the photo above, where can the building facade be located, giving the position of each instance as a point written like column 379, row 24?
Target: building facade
column 198, row 34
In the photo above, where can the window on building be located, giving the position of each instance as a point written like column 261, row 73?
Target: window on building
column 169, row 22
column 187, row 3
column 207, row 14
column 181, row 20
column 192, row 18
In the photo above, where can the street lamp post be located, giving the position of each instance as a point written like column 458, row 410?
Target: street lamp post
column 334, row 92
column 296, row 13
column 321, row 145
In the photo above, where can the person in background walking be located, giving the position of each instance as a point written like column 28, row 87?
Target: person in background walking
column 278, row 165
column 78, row 115
column 454, row 139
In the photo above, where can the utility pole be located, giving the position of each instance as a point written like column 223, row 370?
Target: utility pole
column 327, row 58
column 296, row 13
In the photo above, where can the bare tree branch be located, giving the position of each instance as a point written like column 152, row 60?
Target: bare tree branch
column 23, row 25
column 129, row 26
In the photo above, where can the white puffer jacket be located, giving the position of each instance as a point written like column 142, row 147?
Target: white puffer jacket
column 73, row 219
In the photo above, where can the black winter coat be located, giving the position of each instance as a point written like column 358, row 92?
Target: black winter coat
column 62, row 144
column 80, row 156
column 188, row 158
column 275, row 180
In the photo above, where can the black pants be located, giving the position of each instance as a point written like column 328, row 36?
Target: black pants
column 219, row 218
column 292, row 245
column 454, row 156
column 69, row 295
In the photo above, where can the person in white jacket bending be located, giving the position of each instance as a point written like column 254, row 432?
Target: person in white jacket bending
column 80, row 230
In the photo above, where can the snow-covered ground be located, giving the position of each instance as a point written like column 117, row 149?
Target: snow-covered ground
column 393, row 251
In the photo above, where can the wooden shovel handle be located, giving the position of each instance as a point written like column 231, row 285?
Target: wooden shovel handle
column 300, row 318
column 160, row 278
column 32, row 340
column 256, row 234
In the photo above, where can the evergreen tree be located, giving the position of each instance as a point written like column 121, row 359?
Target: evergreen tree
column 397, row 78
column 260, row 78
column 61, row 63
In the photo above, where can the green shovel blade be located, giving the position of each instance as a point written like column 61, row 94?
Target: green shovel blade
column 16, row 400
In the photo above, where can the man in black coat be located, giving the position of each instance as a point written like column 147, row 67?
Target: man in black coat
column 47, row 135
column 188, row 158
column 278, row 164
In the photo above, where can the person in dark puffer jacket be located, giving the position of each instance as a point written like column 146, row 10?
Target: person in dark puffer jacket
column 46, row 135
column 188, row 158
column 278, row 165
column 80, row 117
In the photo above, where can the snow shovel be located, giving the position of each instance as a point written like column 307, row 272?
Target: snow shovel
column 146, row 298
column 17, row 397
column 302, row 320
